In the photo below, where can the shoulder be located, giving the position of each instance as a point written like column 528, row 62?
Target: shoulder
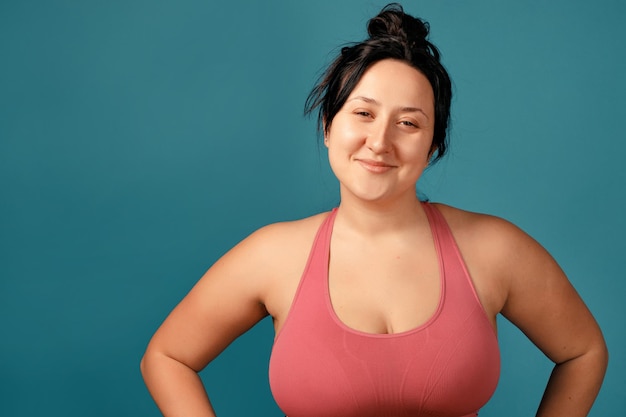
column 500, row 256
column 483, row 229
column 287, row 235
column 265, row 259
column 491, row 238
column 276, row 255
column 275, row 250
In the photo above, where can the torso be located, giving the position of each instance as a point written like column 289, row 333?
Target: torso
column 376, row 328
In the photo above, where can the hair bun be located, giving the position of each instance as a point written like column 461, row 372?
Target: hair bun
column 393, row 22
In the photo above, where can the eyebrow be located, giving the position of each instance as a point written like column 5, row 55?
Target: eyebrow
column 403, row 109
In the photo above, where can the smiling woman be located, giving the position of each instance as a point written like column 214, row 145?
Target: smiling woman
column 386, row 305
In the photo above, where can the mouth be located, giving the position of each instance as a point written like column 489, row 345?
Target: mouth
column 377, row 167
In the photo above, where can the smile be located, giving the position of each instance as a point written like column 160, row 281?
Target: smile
column 377, row 167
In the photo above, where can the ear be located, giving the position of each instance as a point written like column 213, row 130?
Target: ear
column 326, row 132
column 433, row 149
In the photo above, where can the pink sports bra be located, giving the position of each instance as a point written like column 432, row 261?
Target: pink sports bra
column 447, row 367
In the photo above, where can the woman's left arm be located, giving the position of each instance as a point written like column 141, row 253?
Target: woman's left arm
column 543, row 304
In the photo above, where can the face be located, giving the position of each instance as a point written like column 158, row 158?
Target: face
column 380, row 142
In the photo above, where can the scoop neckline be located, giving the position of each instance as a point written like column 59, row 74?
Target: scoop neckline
column 433, row 317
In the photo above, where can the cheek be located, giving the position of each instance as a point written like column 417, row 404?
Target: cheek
column 345, row 136
column 418, row 153
column 343, row 142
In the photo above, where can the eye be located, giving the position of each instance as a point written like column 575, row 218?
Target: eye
column 407, row 123
column 363, row 113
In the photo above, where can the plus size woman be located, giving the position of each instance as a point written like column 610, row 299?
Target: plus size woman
column 386, row 305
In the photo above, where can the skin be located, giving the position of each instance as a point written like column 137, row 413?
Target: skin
column 383, row 273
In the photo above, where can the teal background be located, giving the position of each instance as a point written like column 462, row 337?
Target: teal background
column 139, row 140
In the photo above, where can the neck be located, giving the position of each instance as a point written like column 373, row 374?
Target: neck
column 371, row 218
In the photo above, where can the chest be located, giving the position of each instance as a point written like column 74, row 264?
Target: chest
column 329, row 360
column 378, row 288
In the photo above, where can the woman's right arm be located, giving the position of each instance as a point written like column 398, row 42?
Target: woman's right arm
column 227, row 301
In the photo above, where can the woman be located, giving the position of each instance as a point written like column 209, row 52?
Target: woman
column 385, row 306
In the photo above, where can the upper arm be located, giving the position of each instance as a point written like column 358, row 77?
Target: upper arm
column 540, row 300
column 225, row 302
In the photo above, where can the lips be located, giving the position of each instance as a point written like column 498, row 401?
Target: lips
column 374, row 166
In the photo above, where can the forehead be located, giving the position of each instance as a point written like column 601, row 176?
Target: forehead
column 395, row 83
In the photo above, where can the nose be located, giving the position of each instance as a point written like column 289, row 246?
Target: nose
column 379, row 138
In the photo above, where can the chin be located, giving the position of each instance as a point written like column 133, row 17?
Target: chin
column 365, row 195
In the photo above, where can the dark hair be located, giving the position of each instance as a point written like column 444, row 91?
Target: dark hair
column 393, row 34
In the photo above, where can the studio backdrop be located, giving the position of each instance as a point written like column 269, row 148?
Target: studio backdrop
column 140, row 140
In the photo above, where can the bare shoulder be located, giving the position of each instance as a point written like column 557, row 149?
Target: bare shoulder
column 472, row 222
column 279, row 253
column 498, row 254
column 277, row 250
column 491, row 238
column 265, row 256
column 485, row 231
column 307, row 225
column 278, row 240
